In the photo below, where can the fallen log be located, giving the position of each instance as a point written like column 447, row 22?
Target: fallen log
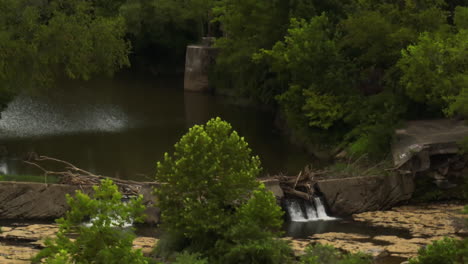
column 72, row 175
column 300, row 194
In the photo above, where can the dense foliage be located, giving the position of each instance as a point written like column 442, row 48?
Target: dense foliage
column 210, row 199
column 101, row 241
column 42, row 41
column 325, row 254
column 347, row 73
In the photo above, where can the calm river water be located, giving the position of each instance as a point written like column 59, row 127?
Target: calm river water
column 121, row 127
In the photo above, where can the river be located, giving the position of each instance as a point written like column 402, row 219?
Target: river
column 122, row 126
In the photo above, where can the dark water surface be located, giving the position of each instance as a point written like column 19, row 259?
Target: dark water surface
column 121, row 127
column 305, row 229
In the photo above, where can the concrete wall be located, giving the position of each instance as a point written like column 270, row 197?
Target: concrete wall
column 360, row 194
column 23, row 200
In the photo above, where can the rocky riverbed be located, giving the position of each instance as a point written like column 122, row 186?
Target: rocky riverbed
column 20, row 242
column 425, row 223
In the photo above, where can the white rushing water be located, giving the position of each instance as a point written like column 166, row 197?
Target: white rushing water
column 308, row 211
column 295, row 211
column 311, row 212
column 3, row 168
column 321, row 213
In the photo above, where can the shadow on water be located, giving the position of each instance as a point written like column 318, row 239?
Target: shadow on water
column 306, row 229
column 122, row 127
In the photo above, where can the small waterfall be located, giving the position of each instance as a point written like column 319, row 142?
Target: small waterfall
column 295, row 211
column 305, row 211
column 321, row 213
column 3, row 168
column 311, row 212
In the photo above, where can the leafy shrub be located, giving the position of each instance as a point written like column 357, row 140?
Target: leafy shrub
column 445, row 251
column 209, row 174
column 210, row 196
column 103, row 241
column 326, row 254
column 252, row 238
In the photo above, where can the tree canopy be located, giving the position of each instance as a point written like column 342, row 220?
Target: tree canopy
column 42, row 41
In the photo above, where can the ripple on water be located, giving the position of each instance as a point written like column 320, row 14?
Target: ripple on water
column 32, row 117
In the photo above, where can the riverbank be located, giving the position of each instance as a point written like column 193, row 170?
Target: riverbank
column 425, row 223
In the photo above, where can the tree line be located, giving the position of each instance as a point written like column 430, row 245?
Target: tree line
column 340, row 73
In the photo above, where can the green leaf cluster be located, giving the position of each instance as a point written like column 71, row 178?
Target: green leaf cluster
column 101, row 241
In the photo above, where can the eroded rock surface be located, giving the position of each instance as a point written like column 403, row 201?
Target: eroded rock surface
column 425, row 224
column 18, row 244
column 420, row 221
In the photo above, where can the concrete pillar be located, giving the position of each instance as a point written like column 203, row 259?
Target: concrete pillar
column 197, row 62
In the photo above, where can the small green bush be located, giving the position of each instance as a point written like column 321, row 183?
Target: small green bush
column 326, row 254
column 104, row 241
column 445, row 251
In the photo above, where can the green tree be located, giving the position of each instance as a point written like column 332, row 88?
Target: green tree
column 161, row 29
column 42, row 41
column 435, row 71
column 210, row 195
column 248, row 25
column 309, row 60
column 103, row 240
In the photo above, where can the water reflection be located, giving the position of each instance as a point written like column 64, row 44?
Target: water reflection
column 121, row 127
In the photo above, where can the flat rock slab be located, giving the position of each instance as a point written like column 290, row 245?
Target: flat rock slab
column 420, row 221
column 29, row 239
column 425, row 223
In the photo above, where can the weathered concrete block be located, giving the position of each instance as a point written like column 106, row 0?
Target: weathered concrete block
column 273, row 186
column 360, row 194
column 198, row 59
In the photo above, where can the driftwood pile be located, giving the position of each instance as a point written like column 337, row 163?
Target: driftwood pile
column 72, row 175
column 301, row 185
